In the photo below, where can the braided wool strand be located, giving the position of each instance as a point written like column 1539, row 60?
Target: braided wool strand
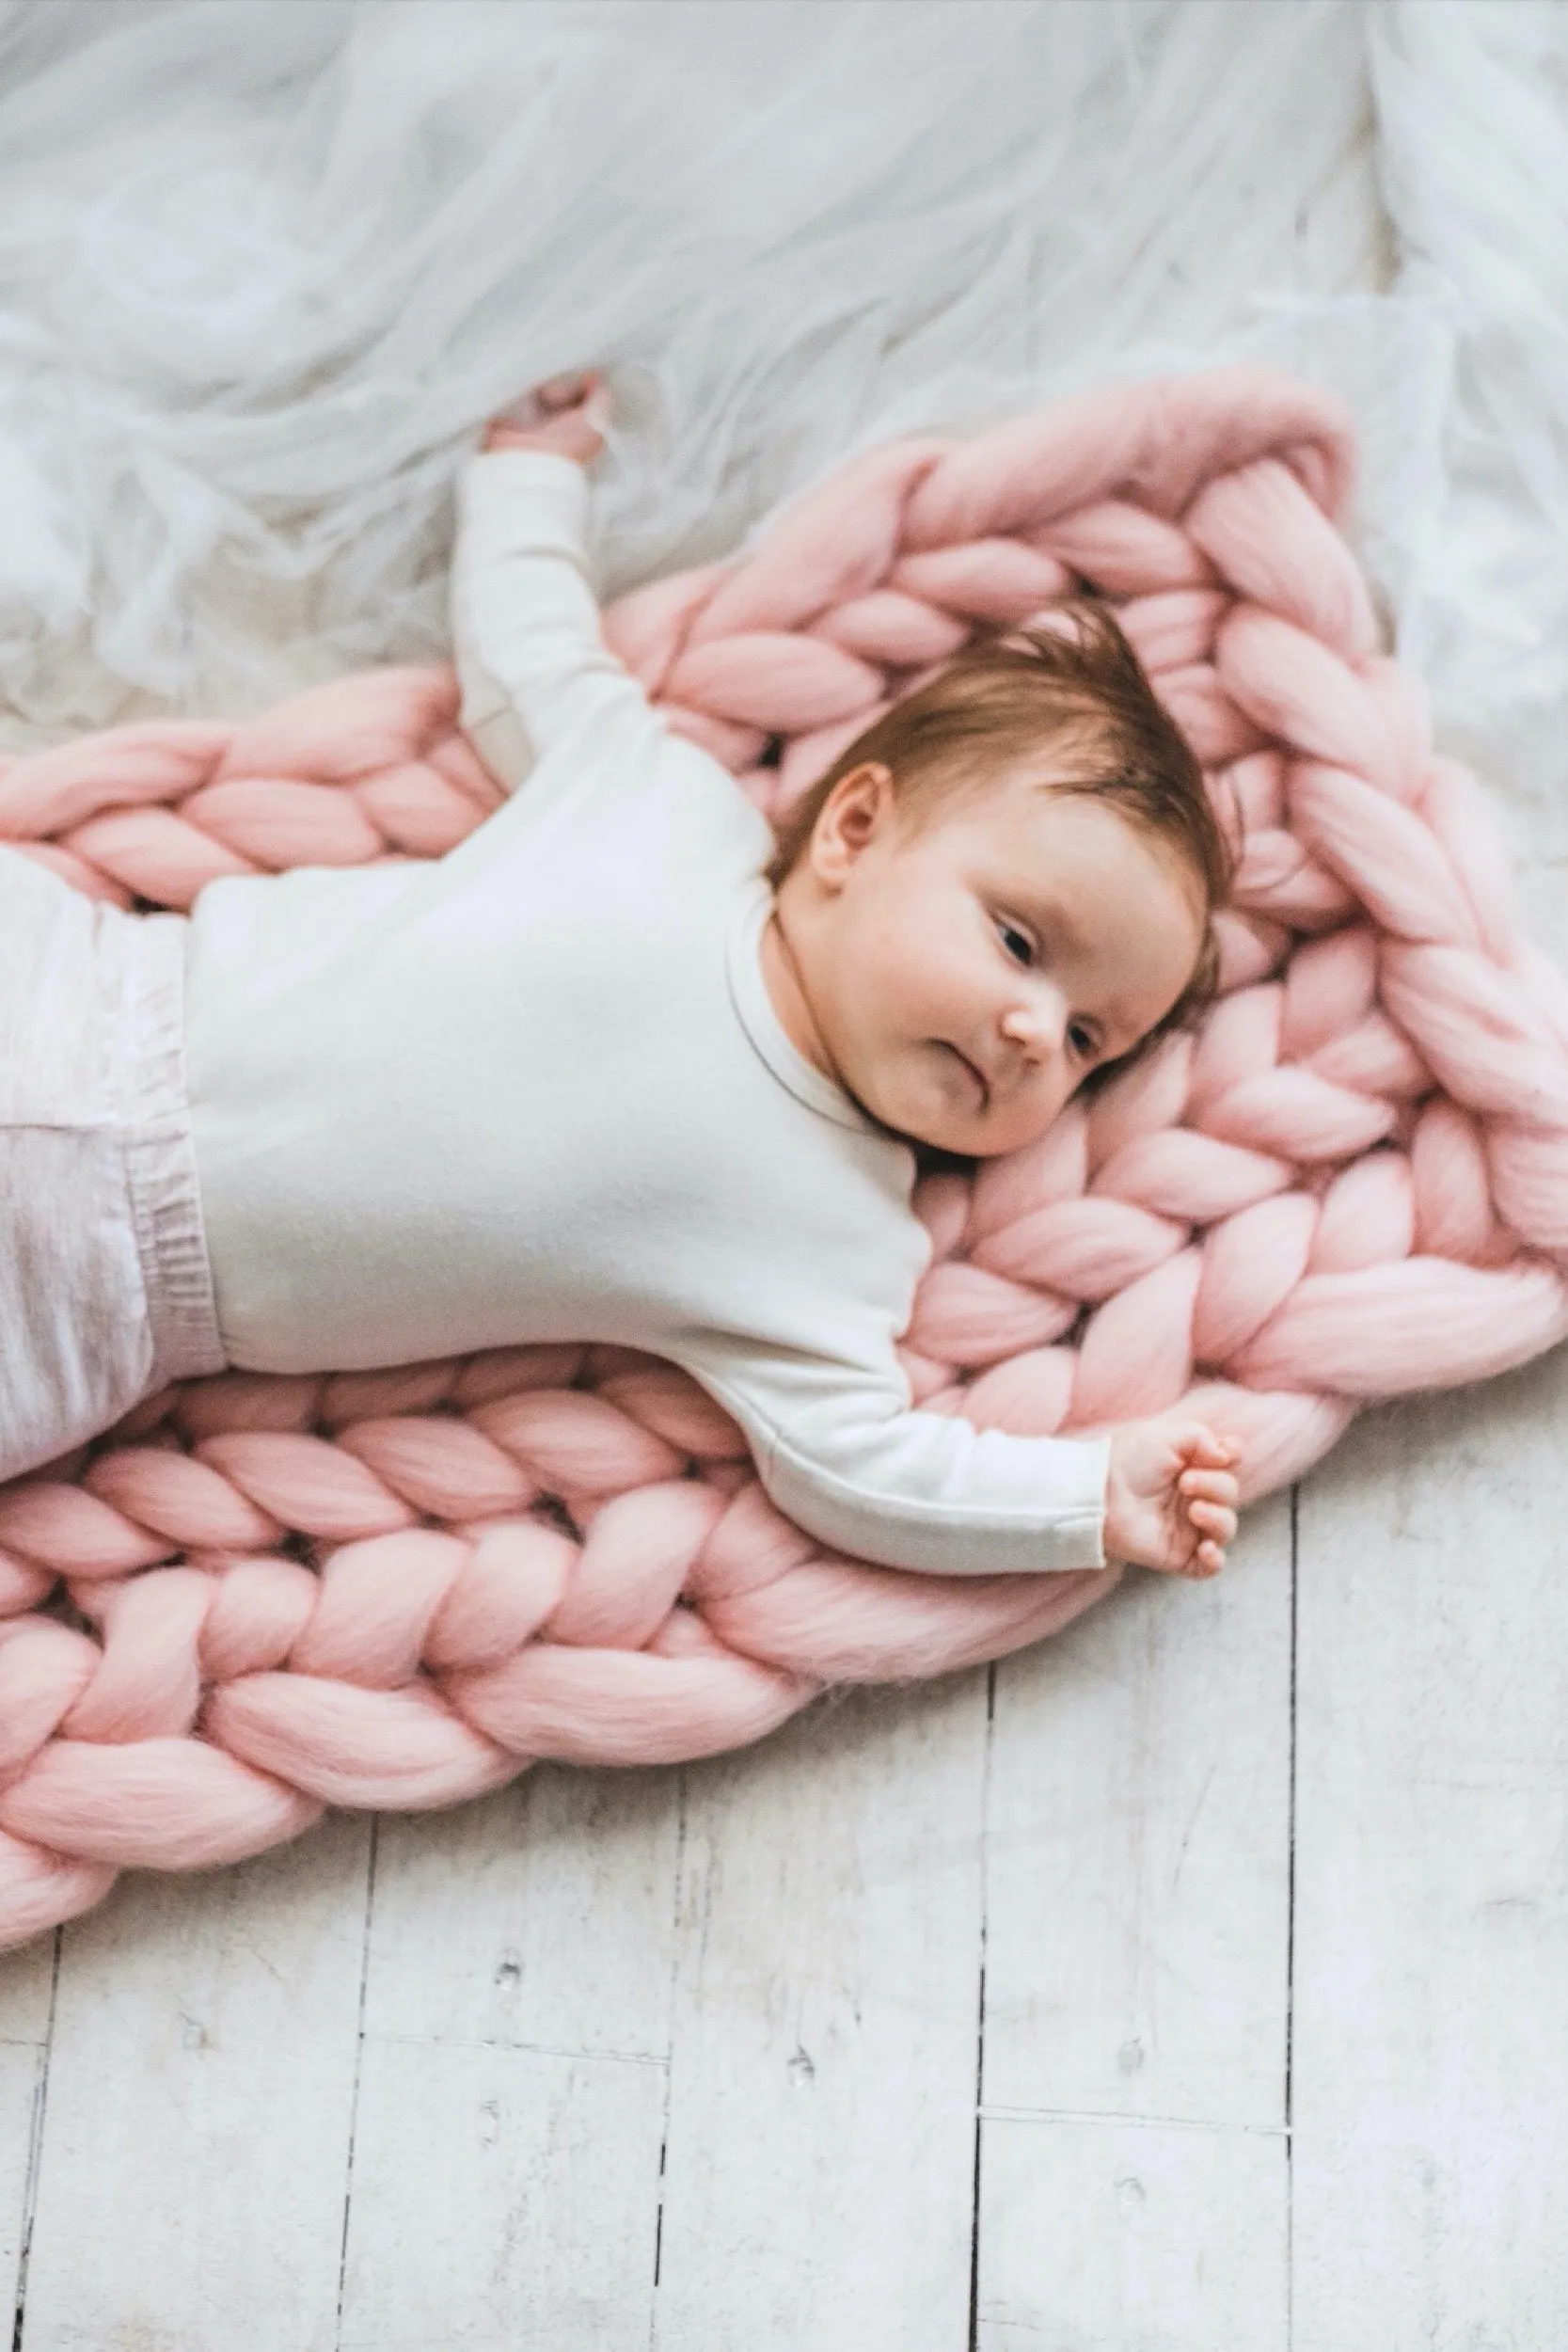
column 263, row 1596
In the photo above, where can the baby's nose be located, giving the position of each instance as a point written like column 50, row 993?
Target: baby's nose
column 1039, row 1027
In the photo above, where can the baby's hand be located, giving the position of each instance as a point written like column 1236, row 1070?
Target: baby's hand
column 1171, row 1496
column 566, row 417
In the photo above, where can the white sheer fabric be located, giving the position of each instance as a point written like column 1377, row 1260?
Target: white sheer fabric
column 263, row 268
column 1473, row 114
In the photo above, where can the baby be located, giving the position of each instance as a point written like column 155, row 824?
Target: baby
column 620, row 1068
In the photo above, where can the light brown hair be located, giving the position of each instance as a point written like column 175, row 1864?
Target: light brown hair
column 1074, row 694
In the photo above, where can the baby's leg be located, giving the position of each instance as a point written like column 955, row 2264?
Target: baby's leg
column 104, row 1292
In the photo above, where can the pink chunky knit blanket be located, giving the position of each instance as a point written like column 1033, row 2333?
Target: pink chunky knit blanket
column 260, row 1596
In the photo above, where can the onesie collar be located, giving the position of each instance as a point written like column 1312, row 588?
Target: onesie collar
column 754, row 1009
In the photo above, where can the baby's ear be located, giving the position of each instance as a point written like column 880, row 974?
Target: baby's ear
column 857, row 810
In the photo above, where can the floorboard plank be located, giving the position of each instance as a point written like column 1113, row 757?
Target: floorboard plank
column 1137, row 1925
column 1138, row 1851
column 1177, row 2243
column 518, row 2004
column 22, row 2078
column 1431, row 2035
column 26, row 1979
column 821, row 2144
column 529, row 2221
column 542, row 1917
column 201, row 2089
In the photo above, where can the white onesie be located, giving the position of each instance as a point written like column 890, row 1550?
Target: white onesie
column 538, row 1091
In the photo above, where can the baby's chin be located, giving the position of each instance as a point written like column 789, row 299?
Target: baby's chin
column 956, row 1142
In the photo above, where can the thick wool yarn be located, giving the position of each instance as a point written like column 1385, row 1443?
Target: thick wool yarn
column 260, row 1596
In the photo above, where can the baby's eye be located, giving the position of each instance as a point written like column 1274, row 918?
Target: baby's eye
column 1083, row 1041
column 1018, row 944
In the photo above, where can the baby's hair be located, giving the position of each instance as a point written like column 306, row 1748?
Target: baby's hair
column 1071, row 692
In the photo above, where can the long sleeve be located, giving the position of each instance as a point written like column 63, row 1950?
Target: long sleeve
column 844, row 1457
column 531, row 659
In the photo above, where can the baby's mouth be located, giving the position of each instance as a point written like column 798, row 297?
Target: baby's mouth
column 981, row 1083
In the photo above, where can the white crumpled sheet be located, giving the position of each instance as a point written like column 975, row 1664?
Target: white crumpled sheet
column 264, row 269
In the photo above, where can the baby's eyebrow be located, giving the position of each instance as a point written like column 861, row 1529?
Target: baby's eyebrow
column 1050, row 913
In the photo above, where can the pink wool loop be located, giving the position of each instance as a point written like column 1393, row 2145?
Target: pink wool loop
column 401, row 1588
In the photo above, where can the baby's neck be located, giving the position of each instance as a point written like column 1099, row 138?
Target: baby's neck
column 780, row 974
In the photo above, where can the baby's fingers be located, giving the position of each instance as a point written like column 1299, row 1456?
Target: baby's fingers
column 1212, row 1518
column 1196, row 1444
column 567, row 391
column 585, row 396
column 1210, row 1486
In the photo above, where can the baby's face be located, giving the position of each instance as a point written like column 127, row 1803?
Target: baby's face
column 963, row 978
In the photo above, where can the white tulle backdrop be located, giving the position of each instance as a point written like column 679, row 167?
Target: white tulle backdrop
column 1472, row 99
column 263, row 267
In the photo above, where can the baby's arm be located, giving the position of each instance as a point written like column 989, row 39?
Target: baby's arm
column 531, row 658
column 847, row 1457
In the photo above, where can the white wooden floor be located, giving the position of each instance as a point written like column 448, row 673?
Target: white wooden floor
column 1192, row 1984
column 1195, row 1983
